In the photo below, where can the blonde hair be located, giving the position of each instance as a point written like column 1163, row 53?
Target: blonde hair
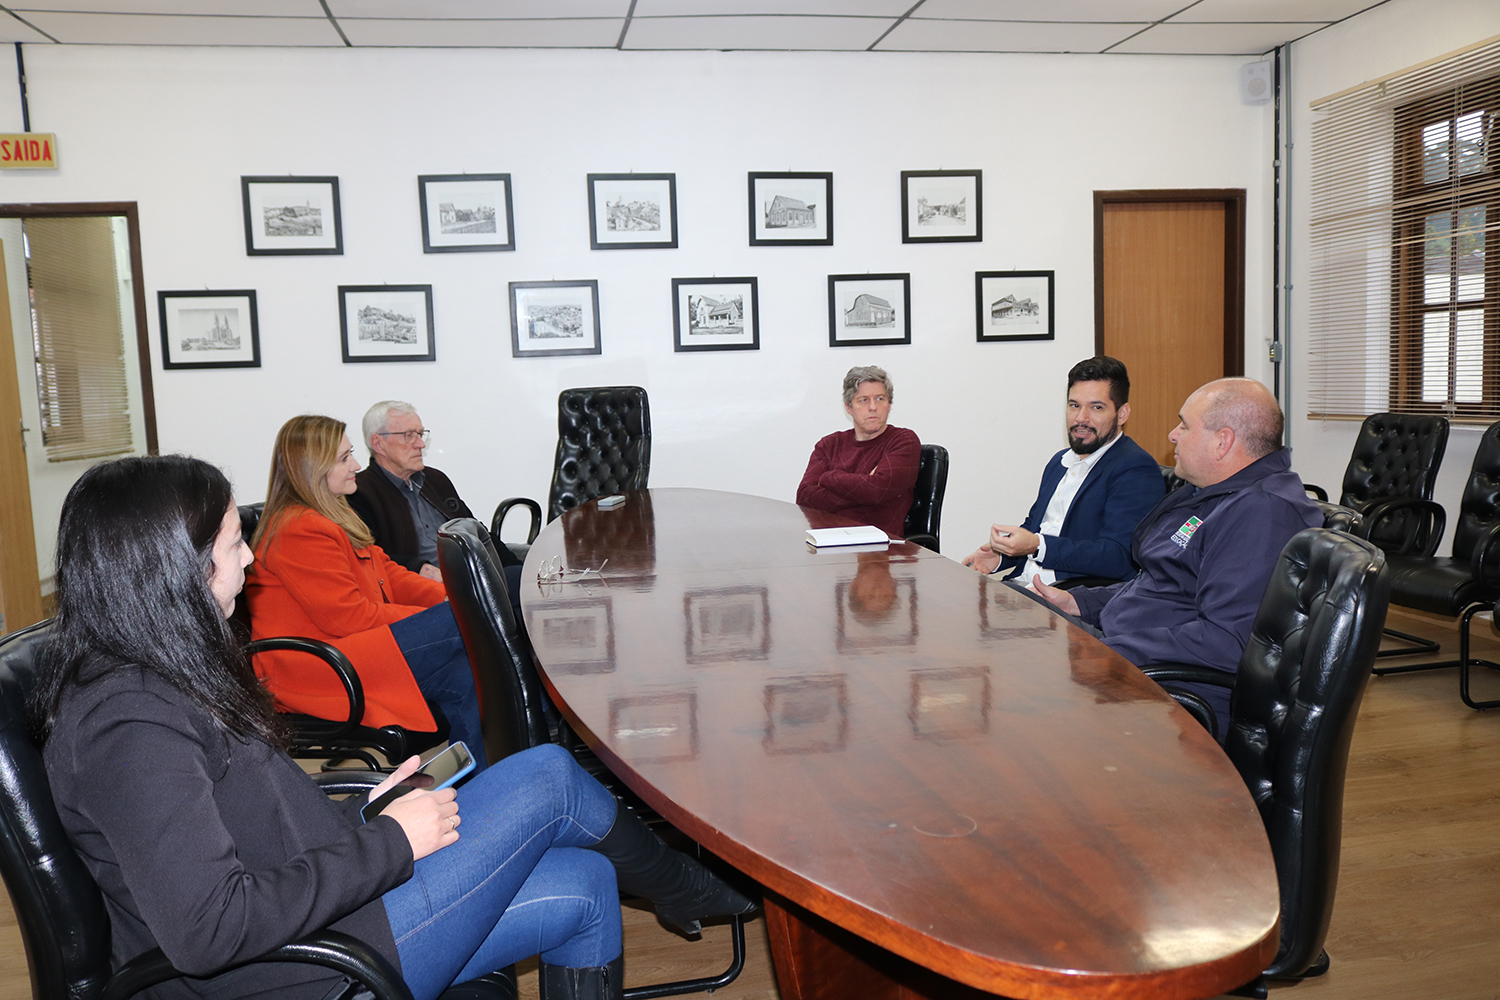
column 306, row 450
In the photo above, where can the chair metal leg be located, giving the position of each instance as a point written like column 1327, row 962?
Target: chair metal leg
column 708, row 985
column 1418, row 647
column 1463, row 647
column 1466, row 661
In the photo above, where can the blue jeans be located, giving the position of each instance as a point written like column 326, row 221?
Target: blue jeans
column 518, row 881
column 435, row 653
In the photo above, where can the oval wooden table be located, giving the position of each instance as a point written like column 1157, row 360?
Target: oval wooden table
column 913, row 759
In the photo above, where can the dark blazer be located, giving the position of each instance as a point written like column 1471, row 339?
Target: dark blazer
column 1096, row 534
column 381, row 506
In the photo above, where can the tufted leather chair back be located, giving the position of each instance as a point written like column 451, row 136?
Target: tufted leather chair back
column 1479, row 507
column 1395, row 455
column 60, row 910
column 926, row 514
column 603, row 445
column 1170, row 478
column 1292, row 715
column 510, row 691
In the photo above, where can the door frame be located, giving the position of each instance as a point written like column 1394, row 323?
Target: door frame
column 75, row 209
column 1233, row 200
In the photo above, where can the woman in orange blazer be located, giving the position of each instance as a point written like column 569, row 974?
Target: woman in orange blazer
column 318, row 573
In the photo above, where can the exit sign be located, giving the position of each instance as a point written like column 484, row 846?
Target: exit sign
column 28, row 151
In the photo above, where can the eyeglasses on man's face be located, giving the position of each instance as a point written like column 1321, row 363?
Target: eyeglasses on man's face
column 410, row 437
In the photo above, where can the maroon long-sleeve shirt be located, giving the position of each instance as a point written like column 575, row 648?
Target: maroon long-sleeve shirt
column 839, row 481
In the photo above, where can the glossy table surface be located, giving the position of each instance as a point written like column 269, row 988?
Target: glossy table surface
column 905, row 748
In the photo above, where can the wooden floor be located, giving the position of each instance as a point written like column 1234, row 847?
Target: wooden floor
column 1419, row 884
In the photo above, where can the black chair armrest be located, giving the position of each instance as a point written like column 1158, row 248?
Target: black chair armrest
column 347, row 782
column 1316, row 492
column 336, row 660
column 1190, row 673
column 498, row 520
column 330, row 949
column 1198, row 709
column 924, row 540
column 1424, row 530
column 1485, row 563
column 1085, row 581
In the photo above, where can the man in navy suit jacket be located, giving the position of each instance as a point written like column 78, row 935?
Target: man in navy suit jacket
column 1093, row 493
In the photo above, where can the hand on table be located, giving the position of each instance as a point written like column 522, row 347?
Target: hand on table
column 982, row 559
column 1060, row 599
column 429, row 819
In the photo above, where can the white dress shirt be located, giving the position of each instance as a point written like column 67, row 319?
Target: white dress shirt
column 1078, row 468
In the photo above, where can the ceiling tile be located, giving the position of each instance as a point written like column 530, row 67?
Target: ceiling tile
column 866, row 8
column 247, row 8
column 569, row 33
column 169, row 29
column 1213, row 39
column 1052, row 10
column 917, row 35
column 763, row 32
column 12, row 30
column 1273, row 10
column 478, row 9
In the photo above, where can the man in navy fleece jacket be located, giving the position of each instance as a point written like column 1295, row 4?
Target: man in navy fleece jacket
column 1206, row 551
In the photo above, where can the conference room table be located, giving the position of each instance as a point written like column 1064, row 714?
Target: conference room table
column 942, row 786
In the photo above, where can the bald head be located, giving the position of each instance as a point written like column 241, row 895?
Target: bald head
column 1224, row 427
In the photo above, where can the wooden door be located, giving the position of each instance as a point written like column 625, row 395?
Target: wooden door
column 20, row 584
column 1169, row 298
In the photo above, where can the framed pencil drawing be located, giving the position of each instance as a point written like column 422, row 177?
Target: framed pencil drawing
column 1013, row 305
column 632, row 211
column 286, row 216
column 866, row 310
column 551, row 319
column 715, row 314
column 386, row 323
column 209, row 329
column 466, row 213
column 941, row 206
column 791, row 209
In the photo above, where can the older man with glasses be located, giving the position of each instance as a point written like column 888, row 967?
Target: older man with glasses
column 402, row 498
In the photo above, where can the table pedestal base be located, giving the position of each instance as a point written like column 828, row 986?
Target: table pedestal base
column 817, row 960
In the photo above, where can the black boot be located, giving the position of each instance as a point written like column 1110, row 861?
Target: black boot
column 602, row 982
column 682, row 890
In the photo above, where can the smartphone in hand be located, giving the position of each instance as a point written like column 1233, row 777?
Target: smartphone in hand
column 439, row 771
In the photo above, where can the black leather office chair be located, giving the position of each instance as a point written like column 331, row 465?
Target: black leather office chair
column 516, row 713
column 1170, row 478
column 603, row 447
column 60, row 910
column 1292, row 716
column 924, row 520
column 1396, row 455
column 1340, row 518
column 1463, row 584
column 335, row 740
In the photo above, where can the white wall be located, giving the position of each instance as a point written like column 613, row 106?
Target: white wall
column 1386, row 40
column 174, row 129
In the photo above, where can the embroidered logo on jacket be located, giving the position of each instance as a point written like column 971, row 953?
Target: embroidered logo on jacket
column 1184, row 534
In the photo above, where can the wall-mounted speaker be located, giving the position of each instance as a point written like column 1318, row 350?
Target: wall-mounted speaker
column 1255, row 82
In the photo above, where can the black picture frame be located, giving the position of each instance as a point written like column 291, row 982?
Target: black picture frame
column 996, row 321
column 644, row 200
column 798, row 223
column 211, row 324
column 277, row 226
column 715, row 314
column 942, row 206
column 552, row 304
column 397, row 326
column 479, row 205
column 863, row 309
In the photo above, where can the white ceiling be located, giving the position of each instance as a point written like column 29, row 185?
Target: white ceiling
column 1184, row 27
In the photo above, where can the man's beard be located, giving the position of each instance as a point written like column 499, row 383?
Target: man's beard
column 1089, row 447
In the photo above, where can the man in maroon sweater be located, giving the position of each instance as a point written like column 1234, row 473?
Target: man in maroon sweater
column 865, row 473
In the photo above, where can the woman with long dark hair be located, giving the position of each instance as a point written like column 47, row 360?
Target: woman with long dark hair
column 319, row 574
column 208, row 841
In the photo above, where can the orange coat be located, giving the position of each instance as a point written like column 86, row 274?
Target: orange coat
column 311, row 581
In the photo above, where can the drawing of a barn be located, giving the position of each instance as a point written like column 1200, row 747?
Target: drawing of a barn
column 870, row 310
column 1009, row 308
